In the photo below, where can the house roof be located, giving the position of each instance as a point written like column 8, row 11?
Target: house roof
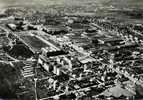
column 117, row 91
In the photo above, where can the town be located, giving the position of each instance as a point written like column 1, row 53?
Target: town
column 70, row 57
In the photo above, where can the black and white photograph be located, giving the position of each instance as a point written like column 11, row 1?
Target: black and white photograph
column 71, row 49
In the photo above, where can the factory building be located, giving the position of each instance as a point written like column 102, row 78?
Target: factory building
column 53, row 60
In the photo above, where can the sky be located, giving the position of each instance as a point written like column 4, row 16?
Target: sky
column 6, row 3
column 118, row 3
column 126, row 3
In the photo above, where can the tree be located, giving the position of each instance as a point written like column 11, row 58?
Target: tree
column 8, row 77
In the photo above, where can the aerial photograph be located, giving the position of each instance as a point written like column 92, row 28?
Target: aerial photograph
column 71, row 49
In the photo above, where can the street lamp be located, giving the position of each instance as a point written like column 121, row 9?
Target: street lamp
column 35, row 85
